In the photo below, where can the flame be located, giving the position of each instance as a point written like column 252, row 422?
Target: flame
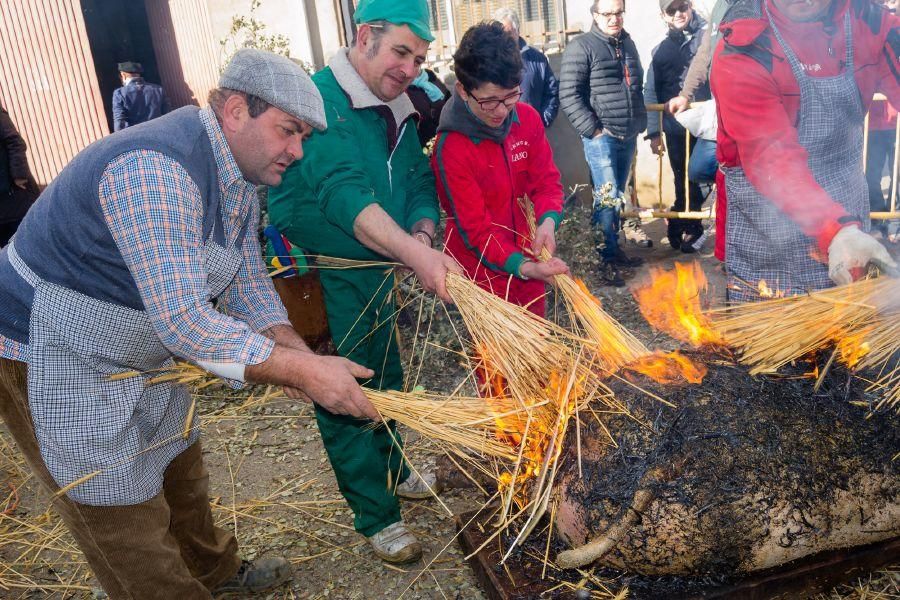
column 530, row 436
column 666, row 368
column 671, row 303
column 765, row 291
column 853, row 348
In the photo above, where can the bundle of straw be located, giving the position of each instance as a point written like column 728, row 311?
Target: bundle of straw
column 613, row 345
column 857, row 320
column 544, row 368
column 467, row 425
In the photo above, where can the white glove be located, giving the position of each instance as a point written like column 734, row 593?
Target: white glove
column 851, row 248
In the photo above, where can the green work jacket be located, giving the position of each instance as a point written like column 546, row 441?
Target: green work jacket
column 370, row 153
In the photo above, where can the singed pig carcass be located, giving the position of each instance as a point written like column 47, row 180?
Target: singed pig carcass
column 744, row 473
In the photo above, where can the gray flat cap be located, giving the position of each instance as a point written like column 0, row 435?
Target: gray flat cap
column 277, row 80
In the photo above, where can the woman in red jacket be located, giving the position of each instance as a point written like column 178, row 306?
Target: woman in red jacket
column 490, row 152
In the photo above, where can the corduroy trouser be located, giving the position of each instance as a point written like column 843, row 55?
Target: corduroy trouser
column 167, row 547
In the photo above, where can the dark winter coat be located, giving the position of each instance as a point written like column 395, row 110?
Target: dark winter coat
column 601, row 85
column 14, row 201
column 138, row 102
column 540, row 88
column 429, row 110
column 665, row 76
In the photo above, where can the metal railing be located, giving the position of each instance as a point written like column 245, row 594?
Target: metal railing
column 709, row 213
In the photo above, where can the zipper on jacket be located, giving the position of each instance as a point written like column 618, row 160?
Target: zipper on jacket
column 626, row 81
column 512, row 189
column 391, row 157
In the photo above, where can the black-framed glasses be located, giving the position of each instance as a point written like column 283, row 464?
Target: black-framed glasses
column 491, row 104
column 612, row 15
column 681, row 8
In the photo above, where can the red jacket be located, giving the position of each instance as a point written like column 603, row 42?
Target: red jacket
column 758, row 100
column 478, row 183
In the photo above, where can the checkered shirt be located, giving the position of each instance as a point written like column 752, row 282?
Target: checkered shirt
column 154, row 212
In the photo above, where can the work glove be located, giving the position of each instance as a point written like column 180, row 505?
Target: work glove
column 852, row 250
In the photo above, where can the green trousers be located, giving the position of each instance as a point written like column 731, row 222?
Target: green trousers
column 367, row 460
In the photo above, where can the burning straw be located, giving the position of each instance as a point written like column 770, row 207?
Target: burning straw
column 613, row 345
column 860, row 322
column 545, row 370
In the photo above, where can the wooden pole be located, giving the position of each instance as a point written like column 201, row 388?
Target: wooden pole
column 659, row 157
column 894, row 171
column 865, row 141
column 687, row 162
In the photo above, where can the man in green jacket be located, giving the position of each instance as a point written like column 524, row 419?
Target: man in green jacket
column 364, row 191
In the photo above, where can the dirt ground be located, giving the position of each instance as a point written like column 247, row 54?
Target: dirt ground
column 272, row 484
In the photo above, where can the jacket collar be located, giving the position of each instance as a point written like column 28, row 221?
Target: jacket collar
column 359, row 93
column 609, row 39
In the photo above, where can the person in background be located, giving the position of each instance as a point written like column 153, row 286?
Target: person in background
column 365, row 191
column 137, row 101
column 121, row 265
column 793, row 81
column 18, row 189
column 665, row 77
column 601, row 92
column 697, row 78
column 880, row 154
column 429, row 95
column 484, row 125
column 539, row 86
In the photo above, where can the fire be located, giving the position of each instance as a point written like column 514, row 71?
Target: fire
column 533, row 436
column 666, row 368
column 671, row 303
column 493, row 385
column 765, row 291
column 853, row 348
column 587, row 293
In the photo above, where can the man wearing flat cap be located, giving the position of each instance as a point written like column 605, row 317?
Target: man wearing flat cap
column 137, row 100
column 365, row 192
column 119, row 266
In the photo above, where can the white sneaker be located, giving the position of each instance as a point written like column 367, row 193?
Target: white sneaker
column 635, row 234
column 418, row 488
column 396, row 544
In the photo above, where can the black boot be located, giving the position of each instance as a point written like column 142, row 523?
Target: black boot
column 674, row 233
column 623, row 261
column 610, row 275
column 693, row 242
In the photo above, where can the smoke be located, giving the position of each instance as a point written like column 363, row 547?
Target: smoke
column 888, row 305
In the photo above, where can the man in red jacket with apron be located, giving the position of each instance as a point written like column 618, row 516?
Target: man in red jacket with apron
column 793, row 80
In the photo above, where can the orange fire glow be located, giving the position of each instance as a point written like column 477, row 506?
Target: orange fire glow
column 666, row 368
column 764, row 291
column 853, row 348
column 535, row 433
column 671, row 303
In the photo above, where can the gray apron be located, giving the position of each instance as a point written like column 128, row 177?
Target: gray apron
column 84, row 422
column 761, row 241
